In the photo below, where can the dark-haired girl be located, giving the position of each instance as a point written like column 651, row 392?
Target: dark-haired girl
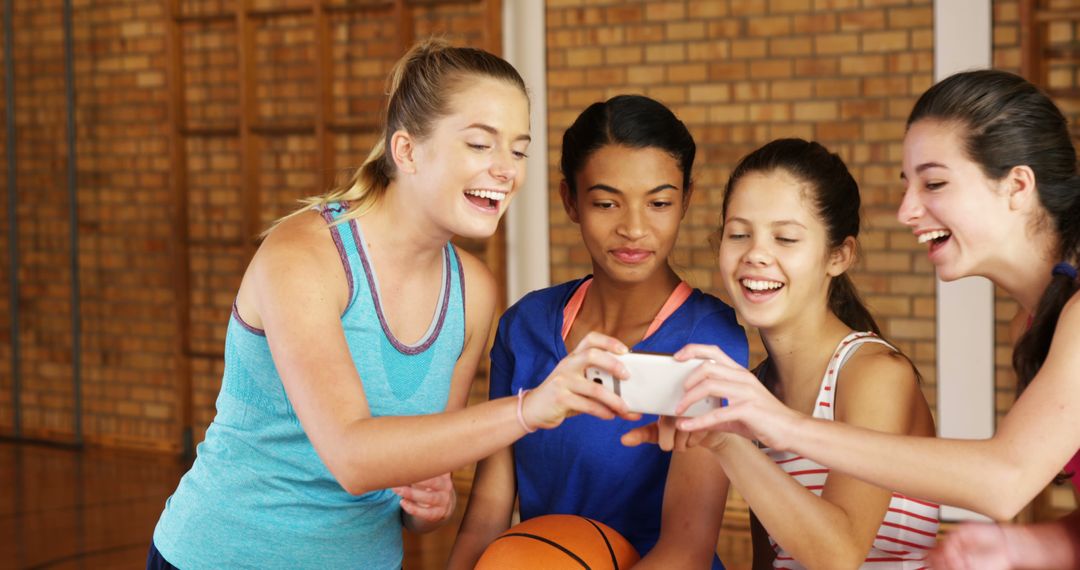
column 626, row 165
column 790, row 224
column 991, row 188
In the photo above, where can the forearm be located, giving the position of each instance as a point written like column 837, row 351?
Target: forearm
column 974, row 474
column 816, row 532
column 377, row 453
column 695, row 495
column 489, row 511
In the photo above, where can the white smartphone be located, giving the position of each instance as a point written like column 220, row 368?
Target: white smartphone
column 655, row 385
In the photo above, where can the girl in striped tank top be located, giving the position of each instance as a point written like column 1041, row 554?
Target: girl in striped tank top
column 790, row 223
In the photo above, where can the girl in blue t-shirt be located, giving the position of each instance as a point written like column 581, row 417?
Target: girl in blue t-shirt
column 626, row 166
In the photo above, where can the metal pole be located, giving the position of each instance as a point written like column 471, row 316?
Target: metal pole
column 76, row 322
column 13, row 228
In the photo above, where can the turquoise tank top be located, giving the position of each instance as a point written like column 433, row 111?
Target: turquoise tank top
column 258, row 495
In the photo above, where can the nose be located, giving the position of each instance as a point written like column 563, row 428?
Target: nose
column 911, row 208
column 504, row 166
column 632, row 223
column 758, row 255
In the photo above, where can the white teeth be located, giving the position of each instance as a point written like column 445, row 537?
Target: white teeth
column 489, row 194
column 923, row 238
column 756, row 285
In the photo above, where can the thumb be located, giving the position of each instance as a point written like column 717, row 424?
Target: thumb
column 640, row 435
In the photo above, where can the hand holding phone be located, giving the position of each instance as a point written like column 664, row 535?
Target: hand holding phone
column 655, row 385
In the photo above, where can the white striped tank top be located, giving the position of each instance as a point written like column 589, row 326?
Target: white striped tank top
column 910, row 527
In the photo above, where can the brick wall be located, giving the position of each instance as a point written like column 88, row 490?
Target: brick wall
column 123, row 225
column 130, row 251
column 845, row 73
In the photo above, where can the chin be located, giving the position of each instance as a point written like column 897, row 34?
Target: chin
column 476, row 230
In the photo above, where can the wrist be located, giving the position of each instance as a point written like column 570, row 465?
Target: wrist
column 521, row 393
column 794, row 427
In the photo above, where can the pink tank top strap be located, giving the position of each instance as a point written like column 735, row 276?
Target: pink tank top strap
column 573, row 306
column 678, row 297
column 674, row 301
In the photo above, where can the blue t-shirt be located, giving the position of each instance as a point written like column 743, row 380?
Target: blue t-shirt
column 581, row 467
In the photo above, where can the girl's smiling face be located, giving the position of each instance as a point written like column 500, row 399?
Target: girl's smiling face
column 774, row 256
column 469, row 167
column 950, row 204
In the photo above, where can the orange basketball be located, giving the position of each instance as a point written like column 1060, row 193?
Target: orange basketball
column 556, row 542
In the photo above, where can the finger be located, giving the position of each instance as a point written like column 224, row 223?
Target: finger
column 705, row 352
column 599, row 394
column 640, row 435
column 714, row 419
column 682, row 439
column 576, row 403
column 666, row 438
column 602, row 342
column 704, row 388
column 423, row 512
column 426, row 497
column 597, row 358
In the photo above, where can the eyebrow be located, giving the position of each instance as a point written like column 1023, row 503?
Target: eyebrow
column 925, row 166
column 606, row 188
column 774, row 224
column 494, row 131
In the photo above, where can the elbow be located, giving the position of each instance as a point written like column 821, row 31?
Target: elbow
column 1008, row 494
column 351, row 477
column 1005, row 509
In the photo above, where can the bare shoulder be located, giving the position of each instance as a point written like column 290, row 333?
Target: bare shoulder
column 298, row 254
column 877, row 384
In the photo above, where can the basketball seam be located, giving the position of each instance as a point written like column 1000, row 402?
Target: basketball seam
column 611, row 551
column 552, row 543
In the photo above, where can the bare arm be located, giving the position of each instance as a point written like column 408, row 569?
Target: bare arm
column 296, row 289
column 694, row 499
column 996, row 477
column 835, row 530
column 491, row 506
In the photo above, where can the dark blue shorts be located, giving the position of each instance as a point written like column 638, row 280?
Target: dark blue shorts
column 155, row 561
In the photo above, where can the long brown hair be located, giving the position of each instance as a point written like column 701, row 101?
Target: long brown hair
column 1006, row 122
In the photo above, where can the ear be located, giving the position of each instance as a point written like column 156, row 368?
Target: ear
column 1020, row 184
column 842, row 258
column 568, row 202
column 687, row 194
column 402, row 150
